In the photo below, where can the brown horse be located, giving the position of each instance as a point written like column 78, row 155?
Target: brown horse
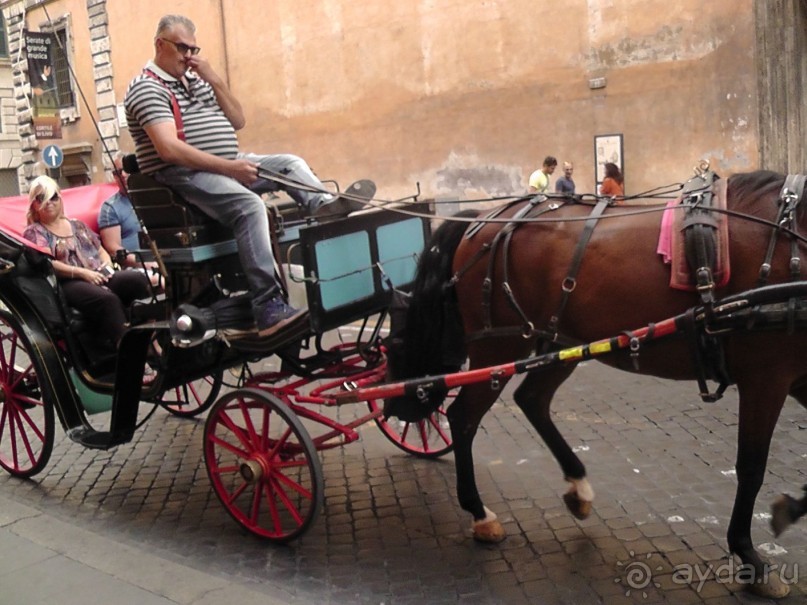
column 622, row 284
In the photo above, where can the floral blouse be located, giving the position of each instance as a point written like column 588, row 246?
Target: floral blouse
column 79, row 249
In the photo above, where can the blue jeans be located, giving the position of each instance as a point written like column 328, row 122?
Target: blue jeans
column 296, row 169
column 235, row 206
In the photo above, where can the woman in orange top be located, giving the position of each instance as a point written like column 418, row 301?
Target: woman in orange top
column 612, row 184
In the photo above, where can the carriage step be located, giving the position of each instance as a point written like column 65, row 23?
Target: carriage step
column 250, row 342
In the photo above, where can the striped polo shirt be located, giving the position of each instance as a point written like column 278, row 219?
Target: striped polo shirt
column 148, row 101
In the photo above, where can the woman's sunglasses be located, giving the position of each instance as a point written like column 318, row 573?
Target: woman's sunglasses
column 40, row 199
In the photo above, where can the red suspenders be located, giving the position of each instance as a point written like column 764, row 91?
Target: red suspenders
column 174, row 104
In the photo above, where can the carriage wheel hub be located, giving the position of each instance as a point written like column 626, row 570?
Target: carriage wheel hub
column 252, row 471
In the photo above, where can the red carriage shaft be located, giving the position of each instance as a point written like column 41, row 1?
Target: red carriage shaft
column 420, row 387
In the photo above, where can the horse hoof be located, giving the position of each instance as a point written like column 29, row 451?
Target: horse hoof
column 771, row 587
column 781, row 515
column 581, row 509
column 490, row 532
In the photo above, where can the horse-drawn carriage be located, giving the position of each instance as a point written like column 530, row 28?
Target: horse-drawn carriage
column 520, row 282
column 261, row 460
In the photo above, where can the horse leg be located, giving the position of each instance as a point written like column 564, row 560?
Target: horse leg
column 534, row 396
column 760, row 405
column 786, row 510
column 464, row 416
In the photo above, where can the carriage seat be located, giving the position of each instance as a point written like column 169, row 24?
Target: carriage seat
column 171, row 222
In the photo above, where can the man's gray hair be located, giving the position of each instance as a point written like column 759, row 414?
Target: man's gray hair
column 169, row 21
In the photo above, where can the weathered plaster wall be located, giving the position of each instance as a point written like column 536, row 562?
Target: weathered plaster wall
column 463, row 96
column 782, row 76
column 466, row 97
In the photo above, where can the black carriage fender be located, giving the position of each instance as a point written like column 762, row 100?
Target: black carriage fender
column 57, row 387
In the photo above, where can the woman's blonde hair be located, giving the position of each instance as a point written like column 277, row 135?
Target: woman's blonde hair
column 42, row 188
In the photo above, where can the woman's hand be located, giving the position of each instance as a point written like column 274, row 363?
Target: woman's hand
column 90, row 276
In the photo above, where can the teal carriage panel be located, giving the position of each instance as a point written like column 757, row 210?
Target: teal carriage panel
column 399, row 246
column 349, row 264
column 345, row 269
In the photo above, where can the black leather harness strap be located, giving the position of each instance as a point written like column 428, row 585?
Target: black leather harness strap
column 475, row 227
column 700, row 228
column 486, row 247
column 506, row 234
column 789, row 198
column 707, row 358
column 569, row 283
column 788, row 201
column 549, row 336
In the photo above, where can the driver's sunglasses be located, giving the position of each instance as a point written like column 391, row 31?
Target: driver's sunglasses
column 183, row 49
column 40, row 199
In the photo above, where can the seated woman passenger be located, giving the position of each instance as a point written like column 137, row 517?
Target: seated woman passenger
column 81, row 264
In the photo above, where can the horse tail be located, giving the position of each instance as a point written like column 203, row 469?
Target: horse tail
column 431, row 339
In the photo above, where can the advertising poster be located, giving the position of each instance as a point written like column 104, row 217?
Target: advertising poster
column 607, row 148
column 44, row 98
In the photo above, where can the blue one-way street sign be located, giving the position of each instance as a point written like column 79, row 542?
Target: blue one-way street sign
column 52, row 155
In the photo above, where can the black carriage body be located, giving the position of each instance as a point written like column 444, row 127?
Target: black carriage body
column 350, row 266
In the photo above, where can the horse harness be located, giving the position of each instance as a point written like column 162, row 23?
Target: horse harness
column 533, row 209
column 789, row 198
column 788, row 202
column 700, row 230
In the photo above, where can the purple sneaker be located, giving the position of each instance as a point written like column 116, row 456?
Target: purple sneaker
column 276, row 315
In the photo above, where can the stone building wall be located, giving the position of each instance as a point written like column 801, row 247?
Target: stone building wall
column 463, row 98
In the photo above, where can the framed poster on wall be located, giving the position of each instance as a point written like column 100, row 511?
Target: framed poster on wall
column 607, row 148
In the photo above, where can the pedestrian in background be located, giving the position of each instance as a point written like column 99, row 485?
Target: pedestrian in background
column 612, row 185
column 539, row 180
column 565, row 184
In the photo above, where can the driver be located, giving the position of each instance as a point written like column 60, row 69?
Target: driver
column 183, row 119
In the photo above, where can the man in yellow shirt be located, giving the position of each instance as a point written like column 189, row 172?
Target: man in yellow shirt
column 539, row 180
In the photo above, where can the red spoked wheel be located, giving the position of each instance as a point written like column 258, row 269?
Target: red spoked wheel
column 263, row 465
column 26, row 421
column 193, row 398
column 428, row 438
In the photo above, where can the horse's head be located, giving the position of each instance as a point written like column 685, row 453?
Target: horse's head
column 407, row 357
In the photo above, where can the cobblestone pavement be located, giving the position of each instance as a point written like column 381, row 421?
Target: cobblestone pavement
column 391, row 531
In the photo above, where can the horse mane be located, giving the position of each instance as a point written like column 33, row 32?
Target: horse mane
column 434, row 329
column 745, row 189
column 431, row 339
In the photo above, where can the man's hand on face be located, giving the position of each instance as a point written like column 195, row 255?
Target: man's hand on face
column 202, row 68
